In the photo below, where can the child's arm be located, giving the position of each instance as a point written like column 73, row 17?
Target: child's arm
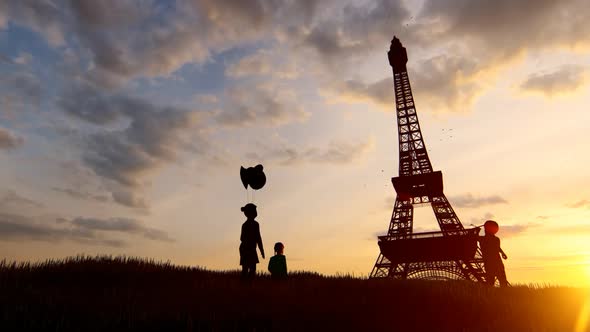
column 503, row 254
column 502, row 251
column 259, row 241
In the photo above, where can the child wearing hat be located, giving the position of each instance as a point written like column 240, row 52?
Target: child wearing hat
column 491, row 251
column 250, row 238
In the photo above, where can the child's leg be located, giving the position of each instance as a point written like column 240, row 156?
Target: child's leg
column 252, row 272
column 244, row 274
column 502, row 276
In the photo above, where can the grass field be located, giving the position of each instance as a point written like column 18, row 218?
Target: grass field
column 108, row 294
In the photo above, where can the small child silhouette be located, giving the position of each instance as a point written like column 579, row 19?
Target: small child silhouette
column 277, row 265
column 490, row 251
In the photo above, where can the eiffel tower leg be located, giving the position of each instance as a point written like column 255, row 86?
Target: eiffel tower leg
column 450, row 225
column 446, row 217
column 400, row 226
column 473, row 269
column 381, row 268
column 386, row 269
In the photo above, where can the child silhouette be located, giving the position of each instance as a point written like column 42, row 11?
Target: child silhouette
column 250, row 238
column 490, row 251
column 277, row 265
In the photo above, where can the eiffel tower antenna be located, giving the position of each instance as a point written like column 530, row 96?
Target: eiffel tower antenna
column 451, row 253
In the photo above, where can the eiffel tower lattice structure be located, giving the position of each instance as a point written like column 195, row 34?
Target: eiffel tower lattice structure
column 451, row 253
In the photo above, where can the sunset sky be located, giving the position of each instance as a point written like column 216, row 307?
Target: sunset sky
column 123, row 125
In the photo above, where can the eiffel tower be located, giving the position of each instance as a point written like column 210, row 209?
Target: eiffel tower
column 451, row 253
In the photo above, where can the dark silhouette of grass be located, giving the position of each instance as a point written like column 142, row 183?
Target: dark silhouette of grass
column 122, row 293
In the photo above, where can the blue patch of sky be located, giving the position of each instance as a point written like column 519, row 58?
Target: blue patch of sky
column 35, row 120
column 165, row 5
column 194, row 79
column 17, row 39
column 20, row 40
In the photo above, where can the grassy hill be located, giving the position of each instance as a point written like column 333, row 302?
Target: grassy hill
column 107, row 294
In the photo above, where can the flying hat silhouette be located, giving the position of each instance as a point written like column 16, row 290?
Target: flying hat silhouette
column 253, row 177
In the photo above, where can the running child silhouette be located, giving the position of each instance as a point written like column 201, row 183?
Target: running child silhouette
column 250, row 238
column 490, row 251
column 277, row 265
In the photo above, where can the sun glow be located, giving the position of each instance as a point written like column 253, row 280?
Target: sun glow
column 584, row 315
column 583, row 321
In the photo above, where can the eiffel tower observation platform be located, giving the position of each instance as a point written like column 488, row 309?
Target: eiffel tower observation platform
column 429, row 246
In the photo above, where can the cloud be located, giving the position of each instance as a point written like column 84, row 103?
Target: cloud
column 262, row 63
column 9, row 141
column 473, row 36
column 515, row 230
column 581, row 204
column 123, row 225
column 129, row 198
column 335, row 153
column 478, row 221
column 440, row 84
column 125, row 40
column 470, row 201
column 15, row 227
column 5, row 58
column 564, row 79
column 470, row 38
column 350, row 31
column 488, row 215
column 505, row 230
column 19, row 91
column 445, row 83
column 258, row 63
column 77, row 180
column 23, row 58
column 21, row 228
column 43, row 17
column 93, row 231
column 206, row 99
column 147, row 137
column 3, row 18
column 379, row 92
column 82, row 195
column 262, row 106
column 12, row 198
column 339, row 152
column 19, row 222
column 530, row 25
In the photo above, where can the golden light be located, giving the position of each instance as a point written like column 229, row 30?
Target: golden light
column 584, row 316
column 583, row 321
